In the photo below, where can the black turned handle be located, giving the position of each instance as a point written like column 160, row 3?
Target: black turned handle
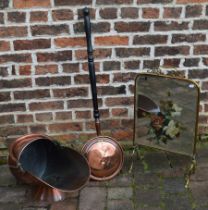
column 91, row 67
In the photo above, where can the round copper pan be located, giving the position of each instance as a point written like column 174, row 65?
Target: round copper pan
column 105, row 157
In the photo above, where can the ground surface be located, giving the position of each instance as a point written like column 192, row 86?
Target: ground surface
column 152, row 185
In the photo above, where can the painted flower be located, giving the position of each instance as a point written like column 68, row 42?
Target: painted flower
column 172, row 129
column 157, row 121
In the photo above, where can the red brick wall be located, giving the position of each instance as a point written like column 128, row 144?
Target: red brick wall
column 43, row 70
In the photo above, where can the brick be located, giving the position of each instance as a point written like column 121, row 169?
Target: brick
column 81, row 103
column 154, row 1
column 171, row 63
column 4, row 72
column 108, row 13
column 120, row 112
column 150, row 13
column 72, row 2
column 109, row 2
column 84, row 79
column 70, row 67
column 197, row 73
column 119, row 101
column 86, row 69
column 124, row 77
column 129, row 12
column 55, row 56
column 4, row 4
column 25, row 70
column 204, row 96
column 43, row 117
column 5, row 96
column 21, row 4
column 111, row 65
column 32, row 44
column 17, row 58
column 200, row 24
column 151, row 64
column 128, row 52
column 191, row 1
column 80, row 13
column 171, row 26
column 39, row 16
column 100, row 27
column 63, row 115
column 176, row 50
column 13, row 31
column 15, row 107
column 4, row 46
column 71, row 92
column 205, row 85
column 16, row 83
column 38, row 129
column 172, row 12
column 70, row 42
column 200, row 49
column 49, row 105
column 205, row 61
column 62, row 14
column 193, row 11
column 150, row 39
column 31, row 94
column 191, row 62
column 132, row 26
column 24, row 118
column 6, row 119
column 46, row 69
column 134, row 64
column 16, row 17
column 111, row 90
column 52, row 30
column 112, row 40
column 11, row 131
column 188, row 37
column 83, row 114
column 50, row 81
column 98, row 53
column 1, row 18
column 63, row 127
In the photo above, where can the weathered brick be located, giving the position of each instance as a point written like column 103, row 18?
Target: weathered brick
column 150, row 13
column 84, row 79
column 172, row 12
column 129, row 12
column 55, row 56
column 31, row 94
column 118, row 112
column 111, row 90
column 83, row 114
column 13, row 31
column 52, row 30
column 99, row 27
column 205, row 61
column 193, row 11
column 72, row 2
column 17, row 58
column 4, row 46
column 16, row 17
column 39, row 16
column 38, row 129
column 5, row 96
column 85, row 66
column 191, row 62
column 10, row 131
column 70, row 42
column 176, row 50
column 63, row 115
column 16, row 83
column 119, row 101
column 20, row 4
column 198, row 73
column 1, row 18
column 132, row 26
column 4, row 72
column 128, row 52
column 191, row 1
column 46, row 69
column 111, row 65
column 24, row 118
column 81, row 103
column 107, row 2
column 62, row 14
column 4, row 4
column 150, row 39
column 6, row 119
column 70, row 67
column 134, row 64
column 49, row 105
column 49, row 81
column 200, row 24
column 112, row 40
column 25, row 70
column 43, row 117
column 151, row 64
column 124, row 77
column 108, row 13
column 154, row 1
column 170, row 26
column 15, row 107
column 32, row 44
column 188, row 37
column 205, row 85
column 92, row 13
column 171, row 63
column 201, row 49
column 98, row 53
column 70, row 92
column 63, row 127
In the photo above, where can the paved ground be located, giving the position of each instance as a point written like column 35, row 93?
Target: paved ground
column 152, row 185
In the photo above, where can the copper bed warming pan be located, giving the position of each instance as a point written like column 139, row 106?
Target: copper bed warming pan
column 104, row 154
column 38, row 160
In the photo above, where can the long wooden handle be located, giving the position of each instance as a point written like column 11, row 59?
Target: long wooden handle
column 91, row 67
